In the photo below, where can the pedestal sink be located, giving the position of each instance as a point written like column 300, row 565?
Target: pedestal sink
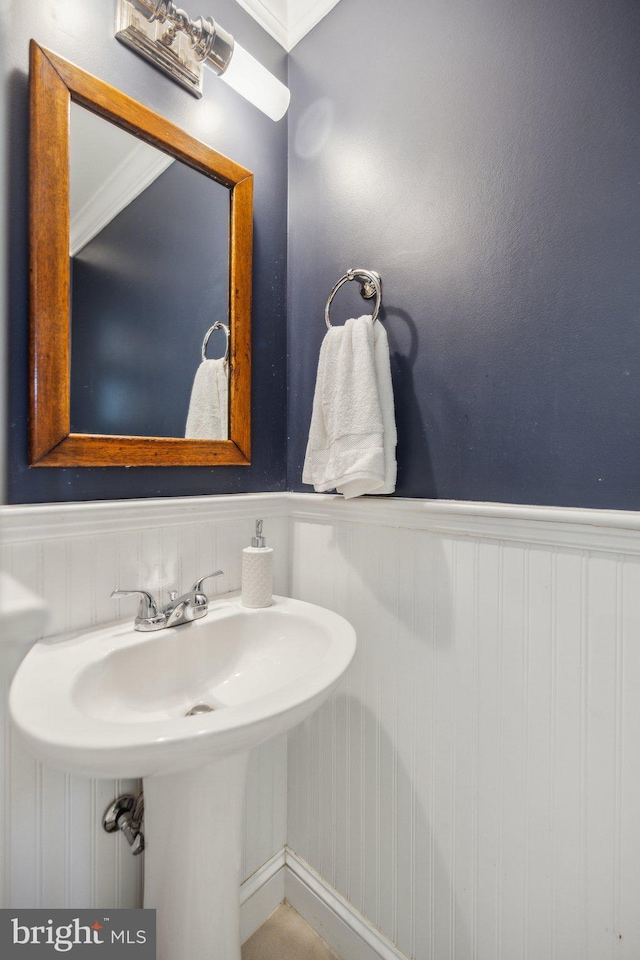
column 112, row 702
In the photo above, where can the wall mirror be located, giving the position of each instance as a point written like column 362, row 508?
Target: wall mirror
column 140, row 310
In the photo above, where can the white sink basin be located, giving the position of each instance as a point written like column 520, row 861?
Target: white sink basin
column 111, row 702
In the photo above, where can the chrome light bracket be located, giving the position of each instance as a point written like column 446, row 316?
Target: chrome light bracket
column 174, row 43
column 168, row 49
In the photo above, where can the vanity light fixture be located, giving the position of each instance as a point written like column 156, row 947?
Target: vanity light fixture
column 180, row 46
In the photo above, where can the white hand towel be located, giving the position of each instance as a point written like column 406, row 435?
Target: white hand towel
column 209, row 405
column 352, row 438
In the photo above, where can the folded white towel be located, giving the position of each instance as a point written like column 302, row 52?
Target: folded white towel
column 209, row 405
column 352, row 438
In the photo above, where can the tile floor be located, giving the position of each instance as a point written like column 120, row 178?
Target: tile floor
column 286, row 936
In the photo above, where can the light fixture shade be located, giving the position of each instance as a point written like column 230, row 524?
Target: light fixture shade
column 164, row 34
column 256, row 84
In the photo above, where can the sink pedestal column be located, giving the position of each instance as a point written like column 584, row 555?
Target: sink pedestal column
column 193, row 827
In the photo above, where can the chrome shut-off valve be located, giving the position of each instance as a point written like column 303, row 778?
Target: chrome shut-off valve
column 125, row 814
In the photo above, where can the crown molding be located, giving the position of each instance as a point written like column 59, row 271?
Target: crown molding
column 307, row 15
column 288, row 21
column 138, row 170
column 273, row 22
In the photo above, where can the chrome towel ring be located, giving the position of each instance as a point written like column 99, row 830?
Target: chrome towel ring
column 218, row 325
column 370, row 286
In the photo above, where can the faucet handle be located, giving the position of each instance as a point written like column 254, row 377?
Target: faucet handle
column 197, row 587
column 148, row 617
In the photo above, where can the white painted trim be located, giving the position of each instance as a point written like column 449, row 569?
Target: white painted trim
column 332, row 917
column 261, row 876
column 261, row 894
column 128, row 181
column 611, row 531
column 261, row 12
column 616, row 531
column 311, row 14
column 46, row 521
column 287, row 876
column 301, row 17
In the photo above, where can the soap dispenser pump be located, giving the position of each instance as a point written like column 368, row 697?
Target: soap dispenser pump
column 257, row 571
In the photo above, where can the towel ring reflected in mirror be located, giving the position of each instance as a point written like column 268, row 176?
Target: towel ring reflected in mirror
column 218, row 325
column 370, row 286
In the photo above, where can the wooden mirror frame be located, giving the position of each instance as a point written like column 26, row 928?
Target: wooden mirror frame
column 54, row 84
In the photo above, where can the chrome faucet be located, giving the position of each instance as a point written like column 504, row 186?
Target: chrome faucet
column 190, row 606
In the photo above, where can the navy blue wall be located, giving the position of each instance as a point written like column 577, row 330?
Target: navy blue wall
column 143, row 297
column 83, row 33
column 484, row 157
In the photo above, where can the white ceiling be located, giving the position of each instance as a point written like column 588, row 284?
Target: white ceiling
column 288, row 20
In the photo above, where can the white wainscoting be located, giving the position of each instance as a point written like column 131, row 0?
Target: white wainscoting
column 473, row 786
column 470, row 791
column 73, row 555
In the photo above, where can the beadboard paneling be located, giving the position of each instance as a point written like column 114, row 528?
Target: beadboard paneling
column 73, row 555
column 471, row 786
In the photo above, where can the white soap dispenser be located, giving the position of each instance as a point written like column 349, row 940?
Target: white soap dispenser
column 257, row 572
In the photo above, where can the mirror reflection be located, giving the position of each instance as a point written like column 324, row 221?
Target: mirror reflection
column 144, row 294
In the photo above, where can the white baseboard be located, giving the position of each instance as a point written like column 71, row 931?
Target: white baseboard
column 346, row 931
column 287, row 877
column 261, row 894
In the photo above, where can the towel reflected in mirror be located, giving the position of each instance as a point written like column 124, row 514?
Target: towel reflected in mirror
column 208, row 417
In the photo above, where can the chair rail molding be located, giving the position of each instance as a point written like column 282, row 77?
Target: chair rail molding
column 616, row 531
